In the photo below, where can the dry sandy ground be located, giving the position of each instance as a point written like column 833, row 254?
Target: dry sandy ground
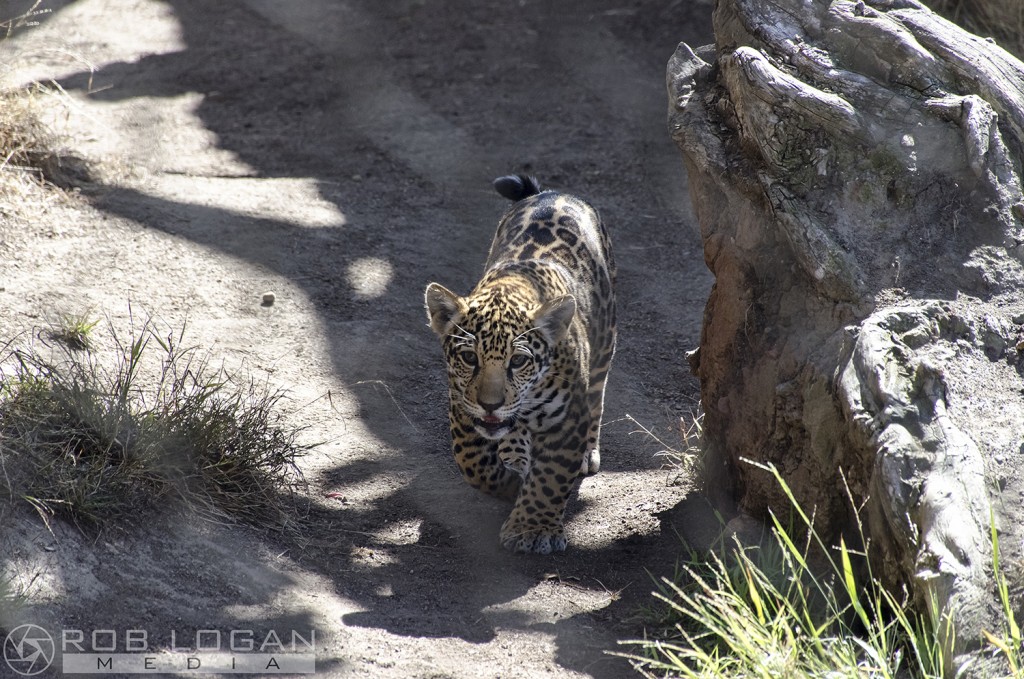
column 339, row 153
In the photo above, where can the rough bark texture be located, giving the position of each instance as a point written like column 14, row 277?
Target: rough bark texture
column 855, row 167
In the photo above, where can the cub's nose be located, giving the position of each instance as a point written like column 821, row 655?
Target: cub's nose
column 489, row 402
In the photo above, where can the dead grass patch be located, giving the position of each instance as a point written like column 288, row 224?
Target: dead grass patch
column 91, row 437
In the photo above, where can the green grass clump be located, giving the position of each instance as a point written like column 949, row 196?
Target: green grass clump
column 1007, row 642
column 89, row 439
column 74, row 330
column 774, row 611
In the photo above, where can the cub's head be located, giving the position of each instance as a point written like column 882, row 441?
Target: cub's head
column 498, row 346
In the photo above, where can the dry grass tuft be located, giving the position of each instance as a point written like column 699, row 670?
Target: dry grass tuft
column 26, row 143
column 32, row 154
column 25, row 17
column 91, row 437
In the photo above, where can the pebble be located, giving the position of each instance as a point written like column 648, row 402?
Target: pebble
column 268, row 298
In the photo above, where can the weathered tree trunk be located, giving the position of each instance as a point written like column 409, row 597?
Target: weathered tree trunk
column 855, row 168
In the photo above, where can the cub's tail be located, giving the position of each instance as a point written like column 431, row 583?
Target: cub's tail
column 517, row 186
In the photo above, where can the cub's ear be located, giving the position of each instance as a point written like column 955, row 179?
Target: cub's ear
column 443, row 306
column 554, row 317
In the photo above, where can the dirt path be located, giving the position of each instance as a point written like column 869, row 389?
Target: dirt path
column 339, row 154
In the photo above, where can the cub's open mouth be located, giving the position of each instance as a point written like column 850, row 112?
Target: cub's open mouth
column 492, row 425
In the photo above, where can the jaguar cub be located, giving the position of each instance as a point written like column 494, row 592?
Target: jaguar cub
column 528, row 351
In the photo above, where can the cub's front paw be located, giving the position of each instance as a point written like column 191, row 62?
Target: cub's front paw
column 591, row 462
column 518, row 537
column 519, row 467
column 514, row 453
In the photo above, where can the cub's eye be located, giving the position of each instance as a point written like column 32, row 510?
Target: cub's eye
column 468, row 356
column 518, row 361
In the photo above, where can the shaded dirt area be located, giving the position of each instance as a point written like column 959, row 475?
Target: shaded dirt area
column 339, row 153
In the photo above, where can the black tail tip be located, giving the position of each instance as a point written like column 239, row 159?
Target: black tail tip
column 517, row 186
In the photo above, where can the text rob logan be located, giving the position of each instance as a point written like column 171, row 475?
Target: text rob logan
column 204, row 640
